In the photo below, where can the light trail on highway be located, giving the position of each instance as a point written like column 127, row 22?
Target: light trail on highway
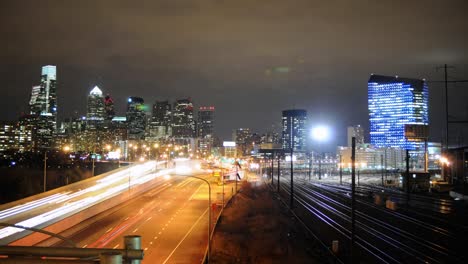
column 62, row 204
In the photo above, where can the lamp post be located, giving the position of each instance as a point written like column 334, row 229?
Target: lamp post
column 320, row 134
column 45, row 170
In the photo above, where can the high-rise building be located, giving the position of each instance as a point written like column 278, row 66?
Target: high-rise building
column 242, row 137
column 43, row 104
column 393, row 103
column 205, row 121
column 205, row 128
column 183, row 124
column 34, row 107
column 136, row 118
column 109, row 107
column 7, row 136
column 160, row 123
column 357, row 132
column 294, row 129
column 96, row 113
column 26, row 132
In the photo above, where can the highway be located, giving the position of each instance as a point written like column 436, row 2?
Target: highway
column 171, row 215
column 57, row 204
column 172, row 220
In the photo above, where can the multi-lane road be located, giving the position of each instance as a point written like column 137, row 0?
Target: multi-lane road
column 171, row 215
column 172, row 220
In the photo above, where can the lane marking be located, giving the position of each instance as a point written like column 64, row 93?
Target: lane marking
column 186, row 235
column 116, row 246
column 135, row 230
column 85, row 246
column 108, row 230
column 195, row 192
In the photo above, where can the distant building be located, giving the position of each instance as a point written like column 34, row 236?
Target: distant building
column 206, row 121
column 109, row 107
column 242, row 136
column 160, row 122
column 394, row 102
column 96, row 113
column 294, row 129
column 136, row 118
column 183, row 124
column 205, row 129
column 43, row 104
column 26, row 130
column 357, row 132
column 7, row 136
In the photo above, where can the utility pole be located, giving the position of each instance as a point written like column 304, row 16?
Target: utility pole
column 278, row 183
column 341, row 169
column 353, row 194
column 45, row 170
column 291, row 145
column 382, row 169
column 271, row 172
column 407, row 176
column 310, row 164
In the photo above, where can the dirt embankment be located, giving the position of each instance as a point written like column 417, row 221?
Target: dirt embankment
column 257, row 228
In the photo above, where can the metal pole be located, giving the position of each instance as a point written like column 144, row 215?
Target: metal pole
column 278, row 183
column 407, row 176
column 222, row 175
column 132, row 243
column 341, row 169
column 92, row 172
column 291, row 145
column 446, row 109
column 271, row 173
column 320, row 166
column 110, row 258
column 426, row 157
column 310, row 164
column 382, row 169
column 236, row 177
column 353, row 192
column 45, row 171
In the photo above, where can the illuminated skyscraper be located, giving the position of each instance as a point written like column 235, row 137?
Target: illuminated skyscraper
column 294, row 129
column 109, row 107
column 96, row 112
column 205, row 128
column 160, row 123
column 136, row 118
column 43, row 104
column 183, row 125
column 394, row 102
column 205, row 121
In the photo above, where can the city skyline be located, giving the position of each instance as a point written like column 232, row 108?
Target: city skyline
column 251, row 66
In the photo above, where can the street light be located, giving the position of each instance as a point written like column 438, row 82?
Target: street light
column 320, row 134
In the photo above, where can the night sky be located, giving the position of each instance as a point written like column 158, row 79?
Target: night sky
column 250, row 59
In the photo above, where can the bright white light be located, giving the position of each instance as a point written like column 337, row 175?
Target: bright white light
column 167, row 176
column 321, row 133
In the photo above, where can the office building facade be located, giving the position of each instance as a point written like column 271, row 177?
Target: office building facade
column 183, row 124
column 136, row 118
column 96, row 113
column 294, row 133
column 394, row 102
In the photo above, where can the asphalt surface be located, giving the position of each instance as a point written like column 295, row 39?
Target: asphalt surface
column 172, row 220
